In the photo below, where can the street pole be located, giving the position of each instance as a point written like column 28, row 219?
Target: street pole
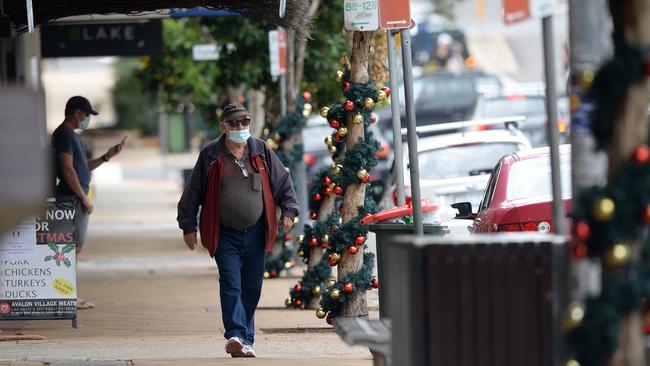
column 551, row 116
column 398, row 166
column 407, row 66
column 283, row 95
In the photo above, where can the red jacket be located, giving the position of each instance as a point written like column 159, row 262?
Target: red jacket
column 204, row 184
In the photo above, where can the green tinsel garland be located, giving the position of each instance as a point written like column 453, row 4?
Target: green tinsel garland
column 611, row 84
column 595, row 339
column 361, row 281
column 276, row 265
column 313, row 278
column 317, row 230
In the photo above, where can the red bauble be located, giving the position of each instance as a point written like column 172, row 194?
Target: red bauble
column 313, row 215
column 327, row 181
column 287, row 238
column 338, row 138
column 345, row 86
column 313, row 242
column 374, row 283
column 316, row 197
column 297, row 303
column 386, row 90
column 373, row 117
column 273, row 274
column 297, row 288
column 365, row 180
column 347, row 287
column 324, row 245
column 582, row 231
column 338, row 190
column 327, row 191
column 360, row 240
column 329, row 319
column 580, row 250
column 335, row 123
column 353, row 249
column 641, row 154
column 646, row 214
column 348, row 105
column 306, row 96
column 332, row 262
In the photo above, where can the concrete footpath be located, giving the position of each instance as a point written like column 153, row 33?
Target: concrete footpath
column 157, row 302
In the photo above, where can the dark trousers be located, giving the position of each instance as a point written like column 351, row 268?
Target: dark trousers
column 240, row 258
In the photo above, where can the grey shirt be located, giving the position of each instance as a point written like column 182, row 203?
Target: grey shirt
column 240, row 201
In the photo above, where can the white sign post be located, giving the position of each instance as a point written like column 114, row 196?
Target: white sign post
column 205, row 52
column 361, row 15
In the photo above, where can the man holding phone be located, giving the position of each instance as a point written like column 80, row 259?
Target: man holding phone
column 73, row 168
column 238, row 182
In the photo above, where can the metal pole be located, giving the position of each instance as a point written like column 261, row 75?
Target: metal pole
column 283, row 95
column 553, row 134
column 407, row 65
column 398, row 165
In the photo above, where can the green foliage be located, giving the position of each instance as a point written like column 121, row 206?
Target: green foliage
column 135, row 106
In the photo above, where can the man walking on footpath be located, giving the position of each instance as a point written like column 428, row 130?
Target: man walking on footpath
column 73, row 169
column 238, row 181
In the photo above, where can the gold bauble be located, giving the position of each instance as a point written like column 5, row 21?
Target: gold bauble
column 308, row 107
column 266, row 275
column 357, row 119
column 343, row 131
column 369, row 103
column 618, row 255
column 301, row 253
column 335, row 256
column 315, row 291
column 336, row 169
column 301, row 238
column 325, row 238
column 288, row 265
column 288, row 303
column 585, row 79
column 572, row 362
column 320, row 313
column 335, row 294
column 362, row 174
column 332, row 186
column 329, row 141
column 381, row 95
column 296, row 220
column 330, row 282
column 575, row 102
column 266, row 131
column 603, row 209
column 324, row 111
column 306, row 113
column 339, row 75
column 332, row 149
column 574, row 315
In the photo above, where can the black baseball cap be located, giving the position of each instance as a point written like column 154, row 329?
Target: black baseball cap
column 81, row 103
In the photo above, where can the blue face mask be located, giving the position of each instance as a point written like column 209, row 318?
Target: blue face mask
column 84, row 124
column 239, row 137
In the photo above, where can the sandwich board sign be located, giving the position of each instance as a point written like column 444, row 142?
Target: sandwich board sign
column 361, row 15
column 38, row 266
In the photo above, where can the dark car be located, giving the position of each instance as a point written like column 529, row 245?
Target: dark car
column 442, row 97
column 317, row 156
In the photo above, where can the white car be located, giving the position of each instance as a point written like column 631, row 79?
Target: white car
column 455, row 167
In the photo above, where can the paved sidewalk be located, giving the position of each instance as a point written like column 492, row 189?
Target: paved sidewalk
column 157, row 302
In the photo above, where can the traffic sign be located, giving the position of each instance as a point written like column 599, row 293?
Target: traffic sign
column 278, row 52
column 394, row 14
column 361, row 15
column 515, row 11
column 205, row 52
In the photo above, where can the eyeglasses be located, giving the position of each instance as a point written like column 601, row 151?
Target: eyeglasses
column 238, row 122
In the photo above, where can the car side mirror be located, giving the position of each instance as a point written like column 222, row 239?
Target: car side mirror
column 464, row 210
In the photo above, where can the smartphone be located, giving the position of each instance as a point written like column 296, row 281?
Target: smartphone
column 124, row 140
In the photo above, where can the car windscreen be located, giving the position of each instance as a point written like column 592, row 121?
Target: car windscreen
column 496, row 108
column 463, row 160
column 313, row 137
column 532, row 178
column 441, row 92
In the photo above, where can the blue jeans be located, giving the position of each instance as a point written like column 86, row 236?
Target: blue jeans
column 240, row 258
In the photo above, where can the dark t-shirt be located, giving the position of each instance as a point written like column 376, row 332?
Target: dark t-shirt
column 65, row 140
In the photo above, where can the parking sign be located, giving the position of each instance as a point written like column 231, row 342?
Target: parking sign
column 361, row 15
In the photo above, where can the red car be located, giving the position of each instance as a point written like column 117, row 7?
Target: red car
column 518, row 196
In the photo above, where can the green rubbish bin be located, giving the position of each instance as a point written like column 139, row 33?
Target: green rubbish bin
column 386, row 233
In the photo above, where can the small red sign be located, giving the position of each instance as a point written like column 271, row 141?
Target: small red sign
column 5, row 308
column 394, row 14
column 282, row 45
column 515, row 11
